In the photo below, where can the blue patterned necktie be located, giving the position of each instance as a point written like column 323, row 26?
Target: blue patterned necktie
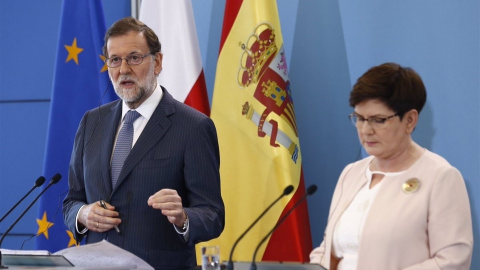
column 123, row 145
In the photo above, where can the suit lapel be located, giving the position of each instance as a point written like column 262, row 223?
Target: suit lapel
column 356, row 187
column 352, row 191
column 154, row 131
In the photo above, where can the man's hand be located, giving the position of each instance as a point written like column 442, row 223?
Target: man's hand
column 97, row 219
column 170, row 203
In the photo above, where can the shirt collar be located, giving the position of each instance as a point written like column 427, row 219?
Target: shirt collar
column 147, row 108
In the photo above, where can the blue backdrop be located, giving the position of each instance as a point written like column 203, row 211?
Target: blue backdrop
column 328, row 44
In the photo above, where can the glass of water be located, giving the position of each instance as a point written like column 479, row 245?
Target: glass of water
column 211, row 258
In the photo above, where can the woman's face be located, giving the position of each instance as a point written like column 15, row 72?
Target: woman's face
column 384, row 141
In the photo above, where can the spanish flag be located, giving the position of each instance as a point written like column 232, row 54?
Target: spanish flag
column 259, row 142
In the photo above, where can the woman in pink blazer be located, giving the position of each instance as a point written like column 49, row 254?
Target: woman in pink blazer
column 403, row 207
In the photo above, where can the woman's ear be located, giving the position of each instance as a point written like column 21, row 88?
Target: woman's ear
column 411, row 118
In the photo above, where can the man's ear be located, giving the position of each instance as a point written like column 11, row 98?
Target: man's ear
column 158, row 63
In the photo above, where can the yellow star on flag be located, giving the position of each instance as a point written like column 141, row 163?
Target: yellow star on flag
column 73, row 51
column 104, row 68
column 72, row 242
column 44, row 225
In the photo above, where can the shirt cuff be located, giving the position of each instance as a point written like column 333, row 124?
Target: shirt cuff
column 76, row 222
column 185, row 232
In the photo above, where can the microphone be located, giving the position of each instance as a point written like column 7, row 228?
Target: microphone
column 286, row 191
column 38, row 183
column 311, row 189
column 54, row 180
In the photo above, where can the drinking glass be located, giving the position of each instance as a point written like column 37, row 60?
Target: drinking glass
column 211, row 258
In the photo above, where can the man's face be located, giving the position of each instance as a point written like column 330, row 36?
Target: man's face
column 133, row 83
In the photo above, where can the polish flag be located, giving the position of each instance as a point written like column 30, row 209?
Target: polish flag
column 182, row 72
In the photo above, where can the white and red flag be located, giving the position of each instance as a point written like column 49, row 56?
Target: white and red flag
column 182, row 72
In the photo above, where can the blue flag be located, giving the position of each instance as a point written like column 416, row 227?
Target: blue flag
column 80, row 84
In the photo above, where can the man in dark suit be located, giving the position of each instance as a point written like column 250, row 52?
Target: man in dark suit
column 165, row 196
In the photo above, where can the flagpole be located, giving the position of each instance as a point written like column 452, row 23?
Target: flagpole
column 135, row 7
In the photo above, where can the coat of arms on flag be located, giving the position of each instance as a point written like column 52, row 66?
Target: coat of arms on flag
column 264, row 65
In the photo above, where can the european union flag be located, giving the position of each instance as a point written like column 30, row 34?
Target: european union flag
column 80, row 84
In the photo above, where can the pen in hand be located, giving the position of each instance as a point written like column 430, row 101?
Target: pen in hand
column 104, row 206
